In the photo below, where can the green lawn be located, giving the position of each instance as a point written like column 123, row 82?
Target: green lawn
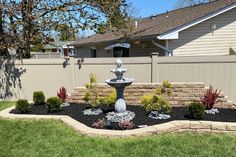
column 29, row 138
column 6, row 104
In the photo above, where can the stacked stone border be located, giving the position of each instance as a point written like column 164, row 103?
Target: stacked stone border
column 183, row 93
column 173, row 126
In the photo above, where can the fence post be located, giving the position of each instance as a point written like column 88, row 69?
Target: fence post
column 73, row 72
column 154, row 56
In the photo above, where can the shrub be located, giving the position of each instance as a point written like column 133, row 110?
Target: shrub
column 126, row 124
column 100, row 124
column 110, row 99
column 165, row 89
column 196, row 110
column 155, row 103
column 91, row 95
column 62, row 94
column 210, row 98
column 38, row 98
column 53, row 104
column 22, row 106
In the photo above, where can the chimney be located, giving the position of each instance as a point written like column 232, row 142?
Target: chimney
column 136, row 24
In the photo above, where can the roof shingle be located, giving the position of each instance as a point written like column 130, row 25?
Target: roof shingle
column 156, row 25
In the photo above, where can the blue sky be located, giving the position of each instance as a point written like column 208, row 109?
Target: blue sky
column 149, row 7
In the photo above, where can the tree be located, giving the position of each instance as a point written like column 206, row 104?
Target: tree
column 66, row 33
column 185, row 3
column 24, row 20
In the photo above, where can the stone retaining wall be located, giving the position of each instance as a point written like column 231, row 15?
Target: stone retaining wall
column 183, row 93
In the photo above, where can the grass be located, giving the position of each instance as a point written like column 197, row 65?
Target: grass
column 6, row 104
column 52, row 138
column 47, row 138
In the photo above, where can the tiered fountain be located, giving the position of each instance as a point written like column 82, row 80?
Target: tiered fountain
column 119, row 83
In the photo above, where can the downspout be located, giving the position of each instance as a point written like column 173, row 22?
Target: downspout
column 170, row 52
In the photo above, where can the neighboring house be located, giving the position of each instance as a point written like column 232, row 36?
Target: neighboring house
column 205, row 29
column 61, row 47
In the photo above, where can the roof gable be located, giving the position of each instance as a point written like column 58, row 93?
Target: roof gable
column 174, row 33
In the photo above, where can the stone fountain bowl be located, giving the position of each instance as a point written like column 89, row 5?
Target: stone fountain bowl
column 120, row 83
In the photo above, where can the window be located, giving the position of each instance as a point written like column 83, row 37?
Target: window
column 93, row 52
column 120, row 52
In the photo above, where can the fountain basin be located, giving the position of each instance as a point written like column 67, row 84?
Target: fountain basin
column 119, row 83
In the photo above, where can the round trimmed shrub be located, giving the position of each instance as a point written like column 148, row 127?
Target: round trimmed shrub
column 22, row 106
column 38, row 98
column 196, row 110
column 53, row 104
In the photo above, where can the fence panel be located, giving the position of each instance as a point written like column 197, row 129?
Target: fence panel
column 219, row 71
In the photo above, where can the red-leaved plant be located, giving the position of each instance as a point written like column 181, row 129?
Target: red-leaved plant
column 62, row 94
column 100, row 124
column 210, row 97
column 126, row 124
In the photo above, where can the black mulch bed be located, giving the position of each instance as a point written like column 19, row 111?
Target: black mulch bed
column 177, row 113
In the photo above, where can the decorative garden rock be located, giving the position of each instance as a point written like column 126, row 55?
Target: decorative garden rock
column 117, row 117
column 92, row 112
column 156, row 115
column 66, row 104
column 212, row 111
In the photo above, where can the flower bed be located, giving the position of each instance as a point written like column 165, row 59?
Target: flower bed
column 177, row 113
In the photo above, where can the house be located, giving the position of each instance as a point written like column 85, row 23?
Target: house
column 61, row 47
column 205, row 29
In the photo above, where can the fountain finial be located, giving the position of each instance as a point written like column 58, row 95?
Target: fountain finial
column 119, row 63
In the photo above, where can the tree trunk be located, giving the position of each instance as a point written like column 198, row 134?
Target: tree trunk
column 3, row 44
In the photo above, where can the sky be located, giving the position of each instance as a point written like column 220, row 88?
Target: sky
column 149, row 7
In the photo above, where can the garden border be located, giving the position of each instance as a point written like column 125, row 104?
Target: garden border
column 172, row 126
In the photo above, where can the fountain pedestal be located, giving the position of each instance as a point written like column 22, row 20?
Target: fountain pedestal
column 120, row 105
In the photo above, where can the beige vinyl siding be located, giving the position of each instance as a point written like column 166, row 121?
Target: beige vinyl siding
column 202, row 40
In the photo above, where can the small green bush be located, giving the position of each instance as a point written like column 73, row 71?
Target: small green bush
column 53, row 104
column 196, row 110
column 158, row 101
column 22, row 106
column 110, row 99
column 91, row 95
column 165, row 89
column 155, row 102
column 38, row 98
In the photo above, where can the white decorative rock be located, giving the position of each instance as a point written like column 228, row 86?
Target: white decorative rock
column 212, row 111
column 120, row 106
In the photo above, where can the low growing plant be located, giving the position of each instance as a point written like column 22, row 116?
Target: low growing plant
column 38, row 98
column 155, row 103
column 22, row 106
column 53, row 104
column 126, row 124
column 211, row 97
column 100, row 124
column 91, row 95
column 165, row 89
column 62, row 94
column 110, row 99
column 196, row 110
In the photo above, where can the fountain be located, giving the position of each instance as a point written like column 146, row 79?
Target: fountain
column 119, row 83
